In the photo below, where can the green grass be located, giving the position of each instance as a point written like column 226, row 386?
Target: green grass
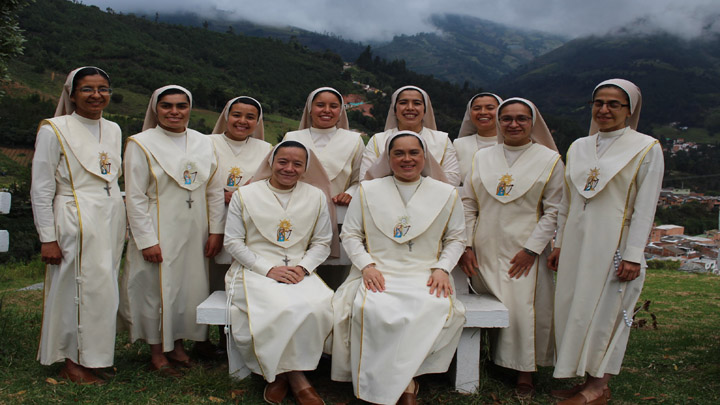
column 676, row 363
column 697, row 135
column 14, row 172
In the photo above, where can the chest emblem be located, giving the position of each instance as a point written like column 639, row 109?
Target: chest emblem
column 190, row 173
column 402, row 227
column 592, row 179
column 105, row 163
column 505, row 185
column 284, row 230
column 234, row 176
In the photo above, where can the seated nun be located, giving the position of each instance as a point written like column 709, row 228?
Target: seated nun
column 395, row 316
column 278, row 230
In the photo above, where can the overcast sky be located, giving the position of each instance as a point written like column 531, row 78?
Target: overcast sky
column 364, row 20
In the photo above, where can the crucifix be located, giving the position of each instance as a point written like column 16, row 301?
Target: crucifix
column 189, row 201
column 107, row 188
column 410, row 245
column 286, row 260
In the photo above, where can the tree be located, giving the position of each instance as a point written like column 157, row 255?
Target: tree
column 11, row 38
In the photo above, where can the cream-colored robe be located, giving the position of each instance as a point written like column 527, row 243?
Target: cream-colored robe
column 76, row 202
column 341, row 157
column 466, row 147
column 159, row 300
column 382, row 340
column 278, row 327
column 437, row 142
column 612, row 200
column 503, row 223
column 237, row 169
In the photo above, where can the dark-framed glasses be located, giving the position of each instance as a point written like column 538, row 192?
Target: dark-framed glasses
column 611, row 105
column 104, row 91
column 520, row 119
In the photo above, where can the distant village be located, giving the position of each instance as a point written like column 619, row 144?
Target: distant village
column 697, row 254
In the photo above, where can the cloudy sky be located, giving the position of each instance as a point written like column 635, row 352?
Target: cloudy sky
column 365, row 20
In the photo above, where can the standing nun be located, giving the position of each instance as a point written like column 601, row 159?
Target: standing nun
column 478, row 129
column 613, row 181
column 80, row 218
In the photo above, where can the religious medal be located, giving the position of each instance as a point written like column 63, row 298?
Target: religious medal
column 105, row 163
column 402, row 227
column 190, row 173
column 505, row 185
column 234, row 176
column 284, row 230
column 592, row 179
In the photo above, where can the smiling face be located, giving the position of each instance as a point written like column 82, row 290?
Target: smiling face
column 610, row 119
column 242, row 121
column 482, row 114
column 325, row 110
column 407, row 158
column 410, row 110
column 287, row 167
column 516, row 124
column 89, row 102
column 173, row 111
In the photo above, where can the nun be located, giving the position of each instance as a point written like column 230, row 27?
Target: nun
column 613, row 181
column 478, row 129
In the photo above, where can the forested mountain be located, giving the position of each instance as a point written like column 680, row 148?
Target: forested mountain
column 469, row 49
column 141, row 55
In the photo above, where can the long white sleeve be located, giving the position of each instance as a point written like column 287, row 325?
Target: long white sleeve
column 370, row 154
column 551, row 201
column 453, row 240
column 138, row 183
column 353, row 234
column 649, row 183
column 215, row 195
column 451, row 165
column 319, row 248
column 42, row 189
column 356, row 163
column 470, row 208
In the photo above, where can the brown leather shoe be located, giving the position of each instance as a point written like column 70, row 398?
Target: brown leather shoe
column 276, row 391
column 84, row 377
column 308, row 396
column 408, row 398
column 581, row 399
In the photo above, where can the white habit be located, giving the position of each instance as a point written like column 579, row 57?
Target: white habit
column 612, row 181
column 278, row 327
column 511, row 202
column 382, row 340
column 76, row 202
column 172, row 200
column 466, row 147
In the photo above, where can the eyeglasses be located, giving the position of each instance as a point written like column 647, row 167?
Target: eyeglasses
column 104, row 91
column 611, row 105
column 520, row 119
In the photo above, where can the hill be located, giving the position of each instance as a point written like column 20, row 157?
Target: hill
column 468, row 49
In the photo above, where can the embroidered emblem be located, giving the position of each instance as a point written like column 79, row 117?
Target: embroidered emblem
column 190, row 173
column 402, row 227
column 105, row 163
column 592, row 179
column 284, row 230
column 505, row 185
column 234, row 177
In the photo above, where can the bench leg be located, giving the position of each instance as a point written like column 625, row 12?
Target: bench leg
column 236, row 365
column 467, row 375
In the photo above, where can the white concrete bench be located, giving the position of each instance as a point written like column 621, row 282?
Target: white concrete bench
column 5, row 203
column 483, row 311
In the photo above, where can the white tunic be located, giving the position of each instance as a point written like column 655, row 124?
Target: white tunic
column 76, row 202
column 612, row 199
column 340, row 152
column 466, row 148
column 278, row 327
column 511, row 202
column 171, row 201
column 382, row 340
column 437, row 142
column 237, row 163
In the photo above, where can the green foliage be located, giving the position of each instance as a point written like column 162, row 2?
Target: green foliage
column 672, row 265
column 20, row 116
column 694, row 216
column 11, row 38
